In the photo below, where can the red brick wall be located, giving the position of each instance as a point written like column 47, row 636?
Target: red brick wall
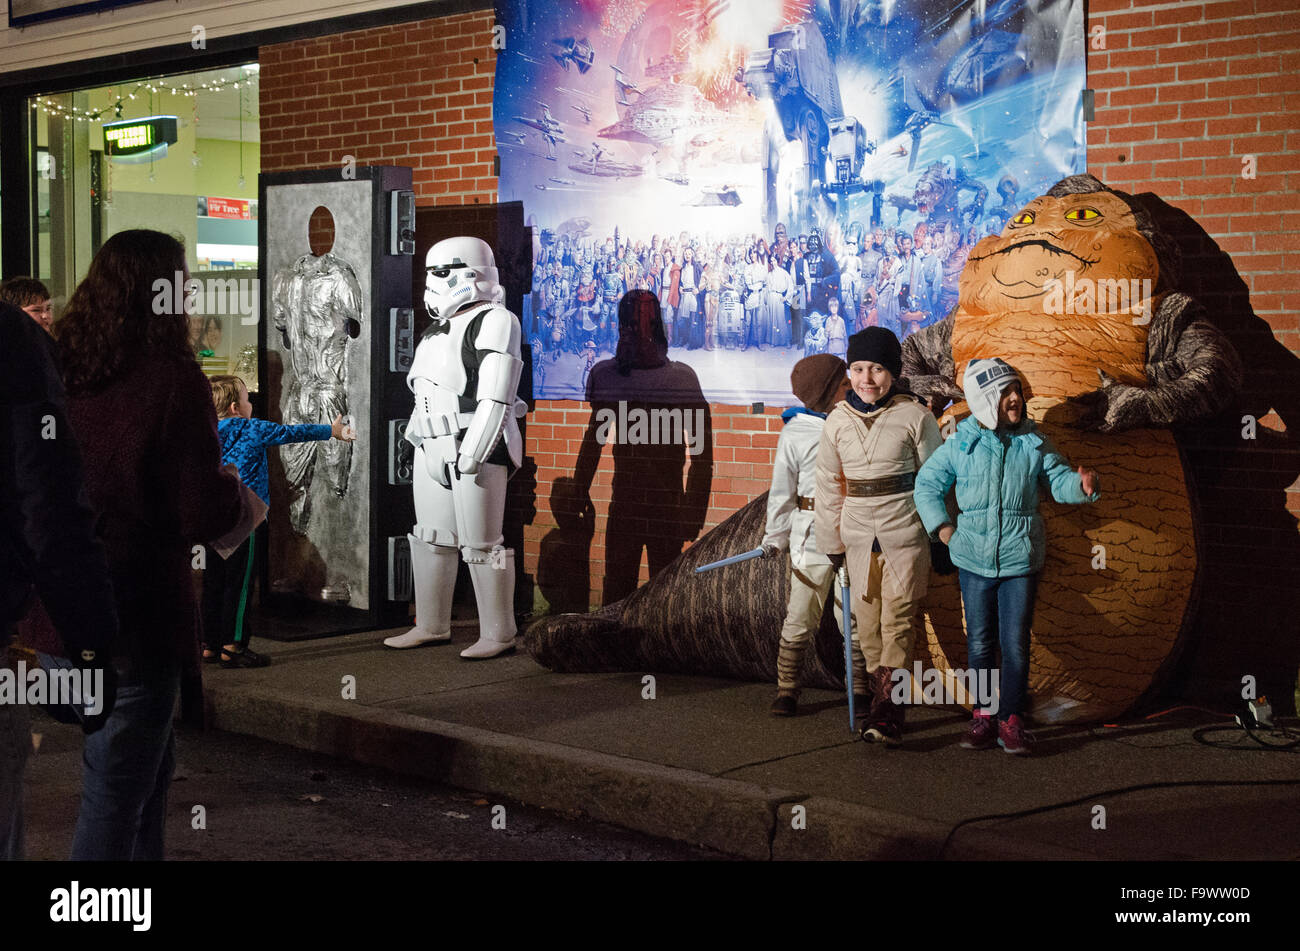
column 417, row 94
column 744, row 445
column 1184, row 91
column 341, row 95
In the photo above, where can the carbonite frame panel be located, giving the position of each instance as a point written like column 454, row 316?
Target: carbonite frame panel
column 344, row 541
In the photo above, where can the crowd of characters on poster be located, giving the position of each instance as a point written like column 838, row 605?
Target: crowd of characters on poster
column 804, row 293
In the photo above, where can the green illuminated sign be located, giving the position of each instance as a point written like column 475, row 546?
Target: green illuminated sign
column 139, row 136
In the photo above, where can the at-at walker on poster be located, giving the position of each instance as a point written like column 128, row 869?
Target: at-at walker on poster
column 723, row 154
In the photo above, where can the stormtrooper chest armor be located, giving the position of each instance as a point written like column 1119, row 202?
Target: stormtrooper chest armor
column 440, row 371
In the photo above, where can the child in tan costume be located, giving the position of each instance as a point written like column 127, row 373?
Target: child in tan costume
column 871, row 447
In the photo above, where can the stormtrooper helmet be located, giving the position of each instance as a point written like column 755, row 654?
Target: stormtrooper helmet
column 458, row 272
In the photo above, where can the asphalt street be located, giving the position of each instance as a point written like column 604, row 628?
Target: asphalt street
column 263, row 801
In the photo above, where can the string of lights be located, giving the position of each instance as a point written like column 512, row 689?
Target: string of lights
column 53, row 107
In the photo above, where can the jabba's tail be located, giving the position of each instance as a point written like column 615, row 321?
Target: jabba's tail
column 723, row 623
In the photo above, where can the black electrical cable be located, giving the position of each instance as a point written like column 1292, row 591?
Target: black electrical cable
column 1268, row 745
column 1093, row 797
column 1198, row 735
column 1114, row 731
column 1138, row 746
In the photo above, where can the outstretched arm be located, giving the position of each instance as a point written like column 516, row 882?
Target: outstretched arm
column 268, row 433
column 1067, row 485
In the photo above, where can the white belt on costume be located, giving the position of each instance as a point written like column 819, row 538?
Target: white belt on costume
column 428, row 423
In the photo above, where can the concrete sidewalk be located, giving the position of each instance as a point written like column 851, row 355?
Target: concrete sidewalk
column 703, row 762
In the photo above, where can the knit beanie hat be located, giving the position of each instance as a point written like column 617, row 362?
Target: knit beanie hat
column 877, row 345
column 815, row 379
column 983, row 383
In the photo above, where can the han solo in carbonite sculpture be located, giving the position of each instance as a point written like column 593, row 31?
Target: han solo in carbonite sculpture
column 467, row 444
column 316, row 307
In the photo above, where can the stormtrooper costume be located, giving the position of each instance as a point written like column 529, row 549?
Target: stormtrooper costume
column 464, row 427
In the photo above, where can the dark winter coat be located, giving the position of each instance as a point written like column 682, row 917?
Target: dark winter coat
column 153, row 473
column 47, row 529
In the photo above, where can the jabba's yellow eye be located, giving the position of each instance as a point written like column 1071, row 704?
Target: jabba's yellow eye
column 1083, row 214
column 1024, row 218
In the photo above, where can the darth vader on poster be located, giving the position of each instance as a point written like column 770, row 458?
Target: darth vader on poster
column 780, row 173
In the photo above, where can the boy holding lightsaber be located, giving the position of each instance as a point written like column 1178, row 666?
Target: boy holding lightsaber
column 819, row 382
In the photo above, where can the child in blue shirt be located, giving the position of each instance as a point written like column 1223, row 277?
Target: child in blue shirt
column 227, row 582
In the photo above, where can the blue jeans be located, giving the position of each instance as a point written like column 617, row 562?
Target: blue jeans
column 998, row 614
column 127, row 770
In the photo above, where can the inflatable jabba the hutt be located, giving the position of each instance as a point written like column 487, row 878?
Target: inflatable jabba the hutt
column 1100, row 635
column 1079, row 294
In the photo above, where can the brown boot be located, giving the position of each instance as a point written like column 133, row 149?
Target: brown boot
column 789, row 666
column 895, row 714
column 786, row 704
column 878, row 719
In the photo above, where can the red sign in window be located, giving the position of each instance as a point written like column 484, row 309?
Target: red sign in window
column 228, row 208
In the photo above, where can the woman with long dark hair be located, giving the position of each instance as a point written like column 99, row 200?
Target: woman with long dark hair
column 142, row 411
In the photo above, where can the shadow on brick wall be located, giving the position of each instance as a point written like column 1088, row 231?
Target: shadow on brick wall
column 652, row 414
column 1248, row 602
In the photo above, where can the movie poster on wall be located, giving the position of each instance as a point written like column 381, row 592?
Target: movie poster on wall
column 780, row 173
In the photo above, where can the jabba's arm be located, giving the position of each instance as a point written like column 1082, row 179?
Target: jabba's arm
column 928, row 366
column 1193, row 369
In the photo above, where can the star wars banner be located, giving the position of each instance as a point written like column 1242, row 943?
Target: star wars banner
column 780, row 173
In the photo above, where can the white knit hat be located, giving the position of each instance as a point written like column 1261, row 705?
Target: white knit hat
column 983, row 383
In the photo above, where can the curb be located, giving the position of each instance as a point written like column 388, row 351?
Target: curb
column 723, row 814
column 730, row 816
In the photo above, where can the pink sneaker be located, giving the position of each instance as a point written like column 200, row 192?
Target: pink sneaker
column 1013, row 737
column 983, row 733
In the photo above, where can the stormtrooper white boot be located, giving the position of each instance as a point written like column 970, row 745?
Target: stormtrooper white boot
column 494, row 589
column 434, row 569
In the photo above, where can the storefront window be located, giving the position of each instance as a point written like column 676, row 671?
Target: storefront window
column 177, row 154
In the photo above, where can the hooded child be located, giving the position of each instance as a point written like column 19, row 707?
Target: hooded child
column 998, row 460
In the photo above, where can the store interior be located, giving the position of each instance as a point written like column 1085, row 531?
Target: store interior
column 199, row 184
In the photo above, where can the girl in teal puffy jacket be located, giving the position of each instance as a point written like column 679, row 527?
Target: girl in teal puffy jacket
column 998, row 460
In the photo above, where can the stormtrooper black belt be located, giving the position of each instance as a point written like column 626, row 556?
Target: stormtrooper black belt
column 890, row 485
column 804, row 503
